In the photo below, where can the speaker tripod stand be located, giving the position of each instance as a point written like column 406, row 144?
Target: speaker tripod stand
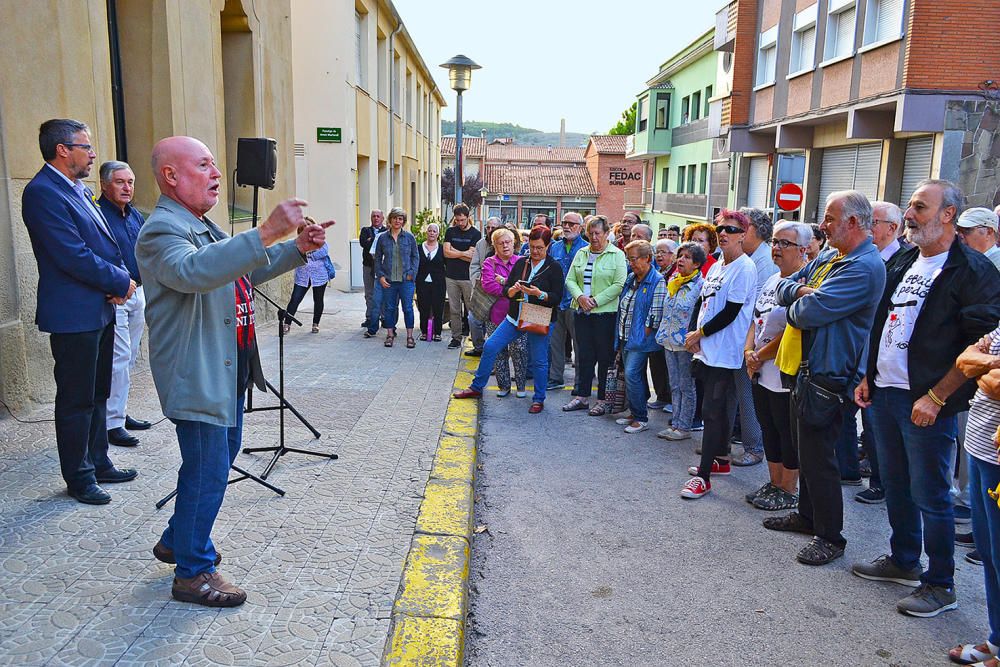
column 281, row 449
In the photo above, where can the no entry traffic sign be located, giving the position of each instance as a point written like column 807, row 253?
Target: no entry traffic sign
column 789, row 197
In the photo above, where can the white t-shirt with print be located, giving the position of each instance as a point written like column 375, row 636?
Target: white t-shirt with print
column 904, row 308
column 735, row 281
column 769, row 322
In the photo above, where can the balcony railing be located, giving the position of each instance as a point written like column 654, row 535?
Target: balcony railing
column 638, row 197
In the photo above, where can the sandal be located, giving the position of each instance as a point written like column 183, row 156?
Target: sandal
column 390, row 338
column 967, row 654
column 410, row 343
column 437, row 338
column 776, row 499
column 597, row 409
column 208, row 589
column 576, row 404
column 819, row 552
column 423, row 337
column 792, row 522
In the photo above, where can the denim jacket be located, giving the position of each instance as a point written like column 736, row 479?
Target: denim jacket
column 642, row 305
column 677, row 315
column 558, row 252
column 407, row 251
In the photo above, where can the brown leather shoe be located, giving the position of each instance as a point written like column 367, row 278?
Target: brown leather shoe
column 467, row 393
column 165, row 555
column 208, row 589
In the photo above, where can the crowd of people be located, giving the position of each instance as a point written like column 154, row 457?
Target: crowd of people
column 776, row 337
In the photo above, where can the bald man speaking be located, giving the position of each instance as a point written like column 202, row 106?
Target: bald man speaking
column 199, row 285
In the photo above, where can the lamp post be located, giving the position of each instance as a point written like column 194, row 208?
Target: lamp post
column 460, row 77
column 484, row 210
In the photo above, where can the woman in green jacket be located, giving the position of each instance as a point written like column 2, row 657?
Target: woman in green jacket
column 594, row 281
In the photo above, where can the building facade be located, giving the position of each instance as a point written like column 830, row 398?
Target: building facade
column 616, row 179
column 135, row 72
column 376, row 90
column 848, row 94
column 686, row 168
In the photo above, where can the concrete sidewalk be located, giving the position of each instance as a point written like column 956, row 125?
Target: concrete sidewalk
column 79, row 586
column 592, row 558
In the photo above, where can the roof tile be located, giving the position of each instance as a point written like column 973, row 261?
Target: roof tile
column 539, row 179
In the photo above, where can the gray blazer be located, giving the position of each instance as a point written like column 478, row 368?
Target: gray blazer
column 191, row 306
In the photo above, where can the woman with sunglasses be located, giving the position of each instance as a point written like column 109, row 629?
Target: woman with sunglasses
column 721, row 318
column 770, row 398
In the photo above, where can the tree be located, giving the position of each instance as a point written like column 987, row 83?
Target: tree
column 470, row 188
column 627, row 123
column 448, row 185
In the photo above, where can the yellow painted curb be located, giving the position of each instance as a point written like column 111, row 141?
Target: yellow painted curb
column 428, row 642
column 428, row 618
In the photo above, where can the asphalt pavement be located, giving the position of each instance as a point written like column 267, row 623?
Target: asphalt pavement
column 587, row 555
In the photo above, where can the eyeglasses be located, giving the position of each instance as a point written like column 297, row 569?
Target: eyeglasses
column 729, row 229
column 86, row 147
column 632, row 260
column 569, row 223
column 782, row 243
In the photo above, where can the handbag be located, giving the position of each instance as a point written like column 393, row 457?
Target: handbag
column 533, row 318
column 614, row 386
column 481, row 302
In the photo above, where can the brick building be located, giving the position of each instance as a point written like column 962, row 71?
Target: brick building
column 617, row 180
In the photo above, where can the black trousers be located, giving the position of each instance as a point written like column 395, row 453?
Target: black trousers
column 83, row 383
column 774, row 414
column 719, row 414
column 430, row 303
column 595, row 344
column 820, row 497
column 658, row 371
column 298, row 293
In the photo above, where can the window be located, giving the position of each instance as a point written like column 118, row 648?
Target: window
column 420, row 108
column 396, row 84
column 883, row 21
column 767, row 57
column 361, row 68
column 696, row 105
column 703, row 178
column 409, row 97
column 708, row 96
column 680, row 179
column 691, row 174
column 803, row 55
column 382, row 76
column 665, row 180
column 685, row 110
column 642, row 114
column 662, row 112
column 840, row 29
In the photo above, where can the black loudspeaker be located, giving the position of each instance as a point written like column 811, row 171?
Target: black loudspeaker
column 256, row 162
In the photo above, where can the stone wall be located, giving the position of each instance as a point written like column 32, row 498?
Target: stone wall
column 971, row 151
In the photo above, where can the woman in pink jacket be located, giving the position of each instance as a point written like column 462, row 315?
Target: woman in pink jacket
column 496, row 269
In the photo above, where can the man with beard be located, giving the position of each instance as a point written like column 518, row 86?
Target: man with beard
column 940, row 297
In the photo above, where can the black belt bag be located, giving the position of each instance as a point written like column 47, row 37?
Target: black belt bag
column 818, row 400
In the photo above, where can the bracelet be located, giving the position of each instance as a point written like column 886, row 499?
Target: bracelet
column 933, row 397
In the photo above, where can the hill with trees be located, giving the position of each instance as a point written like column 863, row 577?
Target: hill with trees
column 522, row 135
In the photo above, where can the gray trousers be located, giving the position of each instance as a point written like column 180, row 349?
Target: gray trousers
column 368, row 273
column 459, row 293
column 477, row 331
column 562, row 327
column 753, row 440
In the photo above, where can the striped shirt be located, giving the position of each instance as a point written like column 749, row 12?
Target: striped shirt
column 984, row 417
column 588, row 273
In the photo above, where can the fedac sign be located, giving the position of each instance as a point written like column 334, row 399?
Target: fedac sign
column 621, row 176
column 328, row 135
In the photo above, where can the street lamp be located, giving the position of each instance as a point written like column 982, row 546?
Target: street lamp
column 460, row 77
column 483, row 192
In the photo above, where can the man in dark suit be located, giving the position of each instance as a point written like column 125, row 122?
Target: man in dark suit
column 81, row 278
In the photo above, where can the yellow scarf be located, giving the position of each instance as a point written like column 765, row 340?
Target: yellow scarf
column 789, row 356
column 678, row 281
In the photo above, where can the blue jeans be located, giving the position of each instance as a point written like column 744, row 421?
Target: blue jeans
column 986, row 532
column 379, row 297
column 682, row 390
column 875, row 481
column 207, row 451
column 392, row 296
column 847, row 446
column 916, row 473
column 538, row 355
column 636, row 390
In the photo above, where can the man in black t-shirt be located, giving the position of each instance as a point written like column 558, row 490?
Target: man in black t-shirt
column 459, row 245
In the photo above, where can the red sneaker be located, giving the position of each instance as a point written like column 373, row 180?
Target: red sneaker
column 467, row 393
column 696, row 487
column 717, row 468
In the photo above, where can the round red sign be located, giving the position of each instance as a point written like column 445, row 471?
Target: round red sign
column 789, row 197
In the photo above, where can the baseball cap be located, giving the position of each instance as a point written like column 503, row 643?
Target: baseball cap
column 978, row 217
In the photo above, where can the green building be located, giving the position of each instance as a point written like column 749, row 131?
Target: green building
column 686, row 175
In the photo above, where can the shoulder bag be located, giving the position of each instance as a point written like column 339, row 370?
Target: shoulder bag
column 533, row 318
column 481, row 302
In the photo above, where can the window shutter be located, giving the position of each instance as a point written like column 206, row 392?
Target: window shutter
column 845, row 32
column 916, row 166
column 757, row 183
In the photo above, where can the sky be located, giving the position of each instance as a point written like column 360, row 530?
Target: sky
column 543, row 60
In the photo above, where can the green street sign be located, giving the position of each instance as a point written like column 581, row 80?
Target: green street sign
column 328, row 135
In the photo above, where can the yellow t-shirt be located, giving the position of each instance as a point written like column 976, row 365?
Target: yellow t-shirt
column 789, row 356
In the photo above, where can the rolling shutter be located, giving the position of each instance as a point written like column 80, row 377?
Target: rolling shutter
column 916, row 166
column 849, row 168
column 889, row 20
column 757, row 183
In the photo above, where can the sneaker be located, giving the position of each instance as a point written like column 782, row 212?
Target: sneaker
column 503, row 393
column 698, row 426
column 656, row 405
column 554, row 385
column 717, row 468
column 850, row 481
column 790, row 523
column 965, row 540
column 454, row 344
column 866, row 468
column 747, row 459
column 473, row 353
column 674, row 434
column 636, row 427
column 884, row 569
column 819, row 552
column 369, row 334
column 521, row 393
column 777, row 499
column 928, row 601
column 753, row 495
column 873, row 495
column 963, row 515
column 695, row 488
column 624, row 421
column 668, row 408
column 974, row 557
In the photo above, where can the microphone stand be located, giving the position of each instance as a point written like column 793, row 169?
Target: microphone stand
column 280, row 449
